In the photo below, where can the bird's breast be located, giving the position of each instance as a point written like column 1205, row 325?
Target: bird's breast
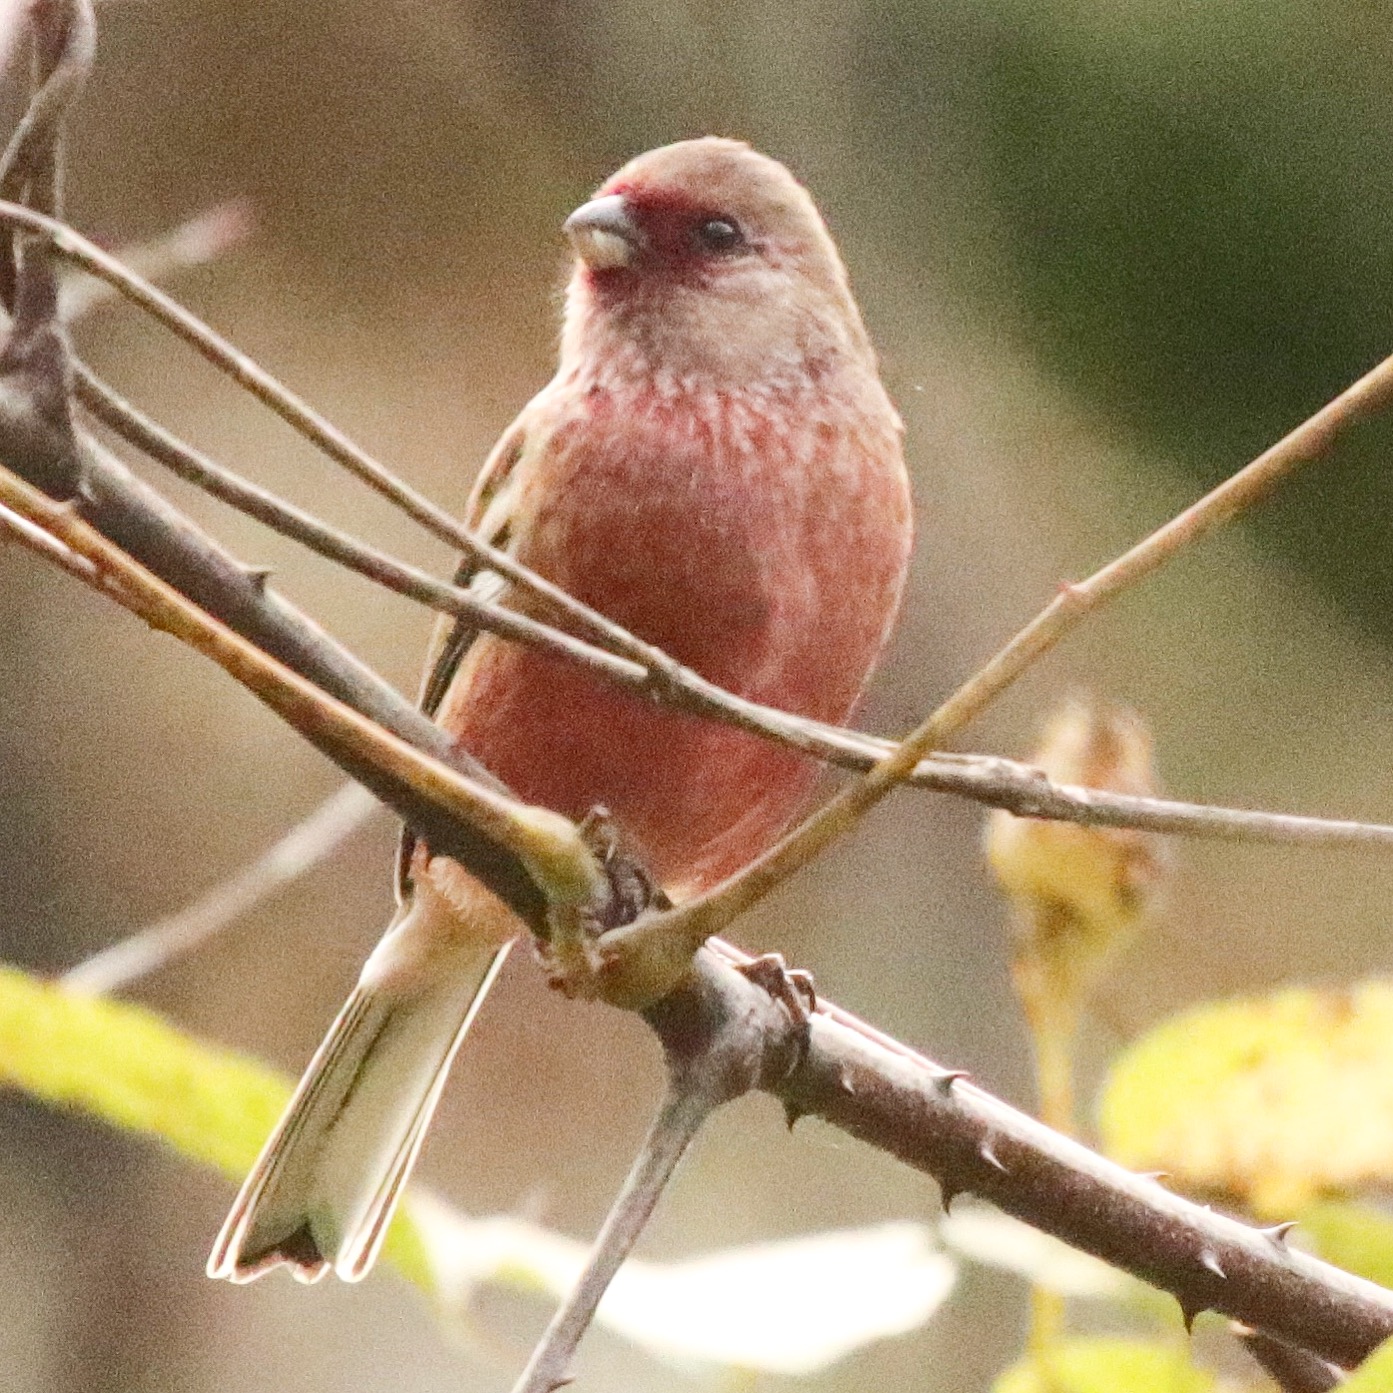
column 762, row 546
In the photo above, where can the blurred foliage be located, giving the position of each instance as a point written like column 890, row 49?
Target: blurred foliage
column 1107, row 1366
column 793, row 1307
column 1276, row 1100
column 1357, row 1237
column 129, row 1067
column 1195, row 203
column 1375, row 1375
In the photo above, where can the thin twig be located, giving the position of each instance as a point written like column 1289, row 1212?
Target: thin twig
column 691, row 923
column 713, row 1055
column 989, row 780
column 198, row 241
column 302, row 848
column 66, row 242
column 655, row 672
column 679, row 1119
column 197, row 468
column 883, row 1091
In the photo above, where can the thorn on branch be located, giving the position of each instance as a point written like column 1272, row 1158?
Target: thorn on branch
column 1209, row 1260
column 987, row 1151
column 944, row 1082
column 1277, row 1233
column 792, row 988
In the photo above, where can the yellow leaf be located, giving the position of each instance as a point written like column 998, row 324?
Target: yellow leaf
column 1106, row 1366
column 1275, row 1100
column 131, row 1068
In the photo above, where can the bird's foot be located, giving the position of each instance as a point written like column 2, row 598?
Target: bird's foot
column 791, row 987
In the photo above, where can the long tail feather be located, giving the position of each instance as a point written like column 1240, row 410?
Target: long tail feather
column 323, row 1191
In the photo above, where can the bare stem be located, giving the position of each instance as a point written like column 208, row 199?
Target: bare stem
column 679, row 1119
column 397, row 772
column 996, row 783
column 338, row 546
column 299, row 851
column 197, row 241
column 69, row 244
column 32, row 536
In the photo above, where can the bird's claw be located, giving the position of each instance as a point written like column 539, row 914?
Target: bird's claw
column 791, row 987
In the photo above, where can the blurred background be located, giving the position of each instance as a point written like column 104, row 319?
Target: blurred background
column 1109, row 251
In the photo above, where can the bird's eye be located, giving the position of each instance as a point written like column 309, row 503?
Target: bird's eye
column 719, row 235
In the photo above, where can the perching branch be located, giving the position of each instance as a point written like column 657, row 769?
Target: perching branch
column 630, row 662
column 888, row 1095
column 990, row 780
column 755, row 1048
column 422, row 789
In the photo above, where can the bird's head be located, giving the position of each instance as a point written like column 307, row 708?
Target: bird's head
column 709, row 262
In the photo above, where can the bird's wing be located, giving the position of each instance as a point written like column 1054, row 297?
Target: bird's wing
column 489, row 514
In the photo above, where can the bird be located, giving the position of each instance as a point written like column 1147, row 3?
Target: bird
column 716, row 466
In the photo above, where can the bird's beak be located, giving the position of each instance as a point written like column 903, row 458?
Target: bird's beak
column 604, row 233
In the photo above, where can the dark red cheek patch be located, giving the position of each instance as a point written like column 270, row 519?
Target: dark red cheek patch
column 668, row 219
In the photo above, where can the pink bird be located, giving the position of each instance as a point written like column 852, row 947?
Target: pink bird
column 717, row 467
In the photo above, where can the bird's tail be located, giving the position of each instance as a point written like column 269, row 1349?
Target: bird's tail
column 327, row 1182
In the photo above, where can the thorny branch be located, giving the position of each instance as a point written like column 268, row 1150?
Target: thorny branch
column 842, row 1070
column 1292, row 1370
column 886, row 1093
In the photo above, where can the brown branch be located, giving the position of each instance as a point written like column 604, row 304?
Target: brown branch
column 1292, row 1370
column 330, row 542
column 435, row 798
column 712, row 1058
column 1012, row 787
column 885, row 1093
column 970, row 1141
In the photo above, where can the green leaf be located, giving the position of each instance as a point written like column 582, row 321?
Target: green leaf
column 1276, row 1100
column 1375, row 1374
column 1106, row 1366
column 1357, row 1237
column 790, row 1307
column 129, row 1067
